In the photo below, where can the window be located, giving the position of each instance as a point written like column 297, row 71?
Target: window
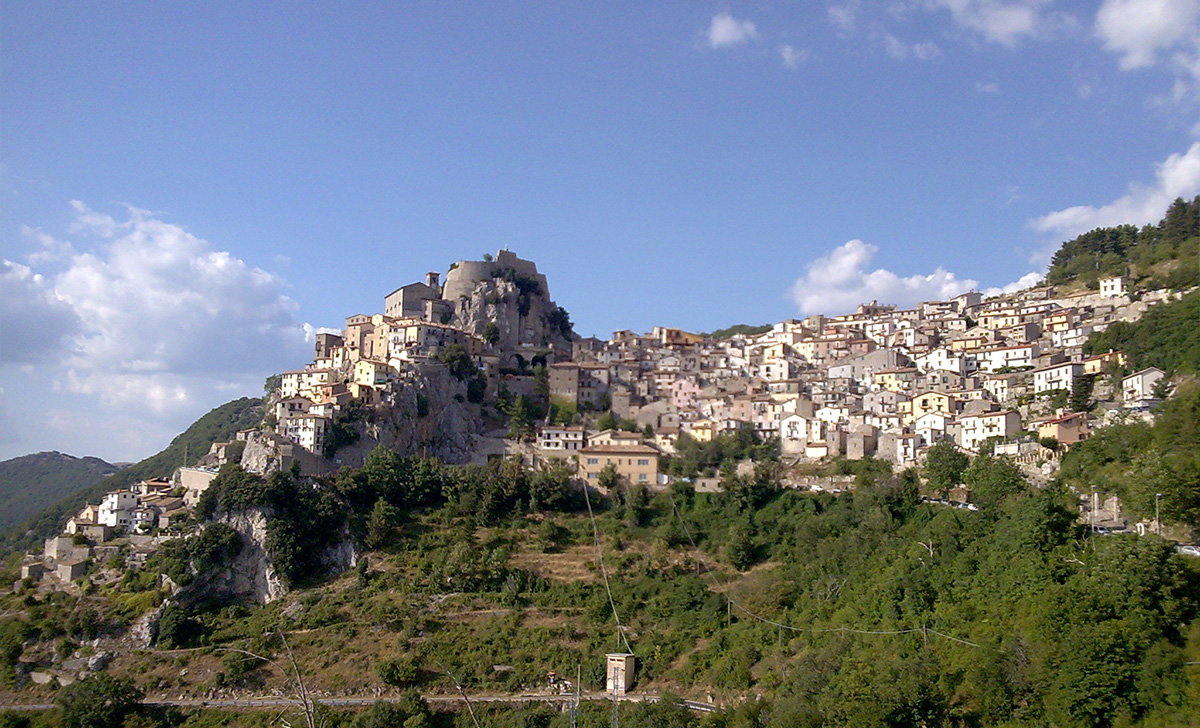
column 641, row 477
column 644, row 461
column 593, row 461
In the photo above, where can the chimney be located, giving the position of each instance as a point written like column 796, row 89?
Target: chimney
column 431, row 279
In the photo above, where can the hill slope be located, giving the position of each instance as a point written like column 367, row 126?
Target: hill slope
column 218, row 425
column 31, row 482
column 1155, row 256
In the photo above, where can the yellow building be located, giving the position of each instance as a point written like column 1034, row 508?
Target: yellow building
column 923, row 404
column 635, row 464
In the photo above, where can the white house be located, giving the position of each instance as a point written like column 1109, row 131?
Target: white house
column 307, row 431
column 1112, row 287
column 560, row 439
column 116, row 509
column 974, row 429
column 1058, row 376
column 933, row 426
column 1140, row 385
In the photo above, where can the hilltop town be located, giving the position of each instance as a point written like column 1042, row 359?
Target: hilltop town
column 881, row 382
column 461, row 465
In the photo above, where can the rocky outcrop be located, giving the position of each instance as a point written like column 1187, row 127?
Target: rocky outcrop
column 510, row 294
column 250, row 575
column 428, row 414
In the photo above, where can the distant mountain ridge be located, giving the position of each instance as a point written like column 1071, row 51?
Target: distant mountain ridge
column 31, row 482
column 218, row 425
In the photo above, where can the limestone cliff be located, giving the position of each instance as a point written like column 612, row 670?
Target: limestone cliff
column 250, row 575
column 509, row 293
column 427, row 414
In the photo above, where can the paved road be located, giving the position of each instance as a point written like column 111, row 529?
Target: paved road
column 351, row 701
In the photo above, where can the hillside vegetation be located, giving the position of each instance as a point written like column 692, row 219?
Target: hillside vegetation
column 32, row 482
column 1166, row 255
column 862, row 609
column 1167, row 337
column 1138, row 461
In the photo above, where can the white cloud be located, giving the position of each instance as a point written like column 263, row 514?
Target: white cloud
column 900, row 50
column 725, row 30
column 1147, row 33
column 148, row 319
column 1177, row 176
column 998, row 21
column 838, row 282
column 793, row 57
column 987, row 88
column 52, row 249
column 1140, row 30
column 36, row 322
column 1026, row 281
column 843, row 16
column 159, row 305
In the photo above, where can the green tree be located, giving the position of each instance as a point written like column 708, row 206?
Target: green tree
column 382, row 524
column 399, row 672
column 1081, row 392
column 944, row 466
column 520, row 420
column 992, row 479
column 98, row 701
column 410, row 711
column 216, row 546
column 608, row 479
column 491, row 332
column 739, row 546
column 1162, row 389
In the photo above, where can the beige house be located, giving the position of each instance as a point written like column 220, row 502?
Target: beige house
column 635, row 464
column 897, row 380
column 924, row 403
column 1067, row 427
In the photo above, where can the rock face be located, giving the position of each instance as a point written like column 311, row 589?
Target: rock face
column 509, row 293
column 429, row 415
column 251, row 575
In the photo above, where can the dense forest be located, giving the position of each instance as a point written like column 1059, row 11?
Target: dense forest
column 1166, row 255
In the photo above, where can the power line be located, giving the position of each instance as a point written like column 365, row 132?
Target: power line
column 604, row 572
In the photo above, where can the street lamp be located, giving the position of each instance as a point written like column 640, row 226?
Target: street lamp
column 1157, row 522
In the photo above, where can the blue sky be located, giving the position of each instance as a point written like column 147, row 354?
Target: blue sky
column 188, row 188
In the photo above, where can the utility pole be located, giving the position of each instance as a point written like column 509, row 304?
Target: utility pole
column 1092, row 512
column 1157, row 520
column 575, row 703
column 615, row 722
